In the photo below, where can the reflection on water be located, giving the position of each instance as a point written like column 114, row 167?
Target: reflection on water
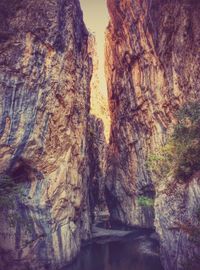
column 130, row 253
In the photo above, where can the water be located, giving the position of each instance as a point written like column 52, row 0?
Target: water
column 131, row 252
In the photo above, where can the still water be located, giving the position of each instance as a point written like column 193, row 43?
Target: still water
column 128, row 253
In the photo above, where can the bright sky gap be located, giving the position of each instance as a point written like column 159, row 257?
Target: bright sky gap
column 96, row 18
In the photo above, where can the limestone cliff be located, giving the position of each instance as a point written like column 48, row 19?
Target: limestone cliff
column 98, row 100
column 45, row 73
column 97, row 153
column 152, row 69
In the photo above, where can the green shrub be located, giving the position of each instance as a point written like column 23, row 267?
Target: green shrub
column 180, row 156
column 145, row 201
column 160, row 162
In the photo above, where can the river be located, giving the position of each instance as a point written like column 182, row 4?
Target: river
column 137, row 250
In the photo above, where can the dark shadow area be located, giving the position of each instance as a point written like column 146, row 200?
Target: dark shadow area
column 130, row 253
column 20, row 171
column 117, row 225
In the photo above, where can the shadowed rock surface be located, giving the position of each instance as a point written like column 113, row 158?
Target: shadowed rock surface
column 97, row 153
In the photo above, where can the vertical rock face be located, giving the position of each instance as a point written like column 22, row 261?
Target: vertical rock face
column 98, row 135
column 152, row 69
column 97, row 152
column 178, row 224
column 45, row 73
column 98, row 100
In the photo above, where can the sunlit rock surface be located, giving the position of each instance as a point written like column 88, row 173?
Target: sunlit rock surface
column 152, row 68
column 45, row 73
column 98, row 100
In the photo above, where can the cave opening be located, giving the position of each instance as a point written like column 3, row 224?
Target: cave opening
column 96, row 18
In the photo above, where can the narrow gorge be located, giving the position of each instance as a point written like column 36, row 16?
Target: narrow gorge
column 67, row 161
column 153, row 69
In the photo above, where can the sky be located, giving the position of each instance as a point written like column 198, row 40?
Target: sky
column 96, row 18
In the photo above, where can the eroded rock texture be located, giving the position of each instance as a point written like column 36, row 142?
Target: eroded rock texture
column 97, row 152
column 152, row 69
column 98, row 100
column 178, row 224
column 45, row 73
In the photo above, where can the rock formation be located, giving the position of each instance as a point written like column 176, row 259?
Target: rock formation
column 152, row 69
column 98, row 100
column 53, row 152
column 177, row 221
column 45, row 72
column 97, row 152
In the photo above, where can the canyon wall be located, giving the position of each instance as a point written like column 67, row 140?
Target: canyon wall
column 45, row 73
column 97, row 154
column 152, row 54
column 98, row 99
column 53, row 153
column 177, row 221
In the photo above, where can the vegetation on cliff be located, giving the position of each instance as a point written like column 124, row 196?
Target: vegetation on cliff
column 180, row 156
column 145, row 201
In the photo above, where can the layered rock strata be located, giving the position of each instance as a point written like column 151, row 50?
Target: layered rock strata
column 45, row 73
column 152, row 55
